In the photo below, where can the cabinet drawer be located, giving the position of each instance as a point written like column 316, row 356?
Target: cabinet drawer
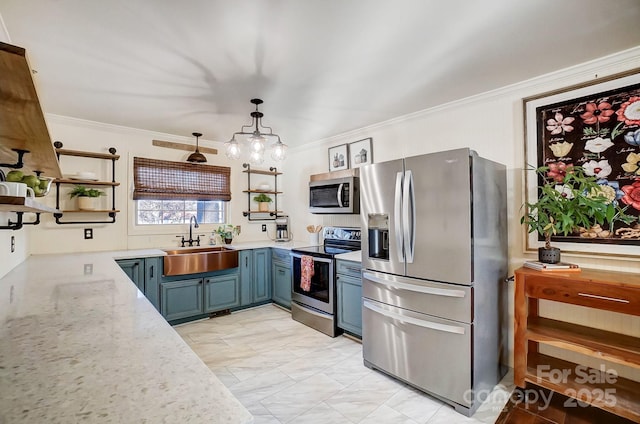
column 609, row 297
column 281, row 255
column 348, row 268
column 448, row 301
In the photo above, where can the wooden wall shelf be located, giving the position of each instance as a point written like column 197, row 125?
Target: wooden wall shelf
column 254, row 215
column 21, row 118
column 111, row 156
column 603, row 290
column 23, row 204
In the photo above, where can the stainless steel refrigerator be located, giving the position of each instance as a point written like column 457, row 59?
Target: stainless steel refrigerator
column 434, row 255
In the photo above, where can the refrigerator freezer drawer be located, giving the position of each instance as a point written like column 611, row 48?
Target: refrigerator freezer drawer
column 437, row 299
column 430, row 353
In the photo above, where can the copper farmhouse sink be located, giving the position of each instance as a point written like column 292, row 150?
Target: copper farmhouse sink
column 196, row 260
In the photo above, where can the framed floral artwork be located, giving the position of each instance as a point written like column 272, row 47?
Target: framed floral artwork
column 595, row 125
column 338, row 158
column 360, row 153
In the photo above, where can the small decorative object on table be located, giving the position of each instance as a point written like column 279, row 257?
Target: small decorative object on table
column 569, row 200
column 85, row 197
column 263, row 202
column 560, row 266
column 227, row 232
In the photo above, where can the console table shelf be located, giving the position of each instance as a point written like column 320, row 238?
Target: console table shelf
column 604, row 290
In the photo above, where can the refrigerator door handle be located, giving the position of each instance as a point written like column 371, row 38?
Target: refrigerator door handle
column 408, row 216
column 340, row 194
column 414, row 321
column 413, row 287
column 397, row 216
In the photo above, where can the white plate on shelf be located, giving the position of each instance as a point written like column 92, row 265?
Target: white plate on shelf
column 77, row 177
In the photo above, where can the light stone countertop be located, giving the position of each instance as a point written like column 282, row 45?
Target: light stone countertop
column 79, row 342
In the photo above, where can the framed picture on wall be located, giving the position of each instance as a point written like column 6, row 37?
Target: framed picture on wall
column 596, row 126
column 360, row 153
column 338, row 158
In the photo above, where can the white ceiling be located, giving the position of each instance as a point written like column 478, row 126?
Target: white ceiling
column 323, row 67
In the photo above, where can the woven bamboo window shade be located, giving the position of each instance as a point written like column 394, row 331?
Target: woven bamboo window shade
column 163, row 180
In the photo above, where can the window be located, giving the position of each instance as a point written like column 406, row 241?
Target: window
column 172, row 192
column 150, row 212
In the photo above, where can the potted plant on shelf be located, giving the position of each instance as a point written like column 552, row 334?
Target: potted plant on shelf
column 263, row 202
column 226, row 232
column 568, row 201
column 86, row 197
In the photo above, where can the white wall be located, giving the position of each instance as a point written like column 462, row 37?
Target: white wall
column 492, row 124
column 123, row 234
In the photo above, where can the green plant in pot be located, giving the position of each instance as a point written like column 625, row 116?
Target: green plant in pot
column 86, row 196
column 263, row 202
column 568, row 200
column 226, row 232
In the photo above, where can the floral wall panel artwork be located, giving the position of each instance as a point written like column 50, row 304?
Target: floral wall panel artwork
column 595, row 126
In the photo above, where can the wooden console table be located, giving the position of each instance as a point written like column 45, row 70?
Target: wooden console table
column 605, row 290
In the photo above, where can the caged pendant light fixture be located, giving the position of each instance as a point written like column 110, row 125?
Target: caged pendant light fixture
column 256, row 140
column 196, row 157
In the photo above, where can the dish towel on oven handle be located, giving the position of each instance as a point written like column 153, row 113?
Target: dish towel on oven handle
column 307, row 271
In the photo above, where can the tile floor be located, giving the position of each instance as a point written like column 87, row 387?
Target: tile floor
column 285, row 372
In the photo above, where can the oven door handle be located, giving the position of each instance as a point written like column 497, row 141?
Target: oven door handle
column 414, row 321
column 315, row 258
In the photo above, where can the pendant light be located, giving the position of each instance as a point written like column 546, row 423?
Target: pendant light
column 196, row 157
column 257, row 139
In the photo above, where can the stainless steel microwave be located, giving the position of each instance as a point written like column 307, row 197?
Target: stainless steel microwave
column 341, row 195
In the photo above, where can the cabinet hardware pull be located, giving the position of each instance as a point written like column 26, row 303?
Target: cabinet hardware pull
column 594, row 296
column 281, row 271
column 151, row 272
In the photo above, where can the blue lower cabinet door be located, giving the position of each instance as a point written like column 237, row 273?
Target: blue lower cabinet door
column 281, row 278
column 181, row 299
column 221, row 292
column 349, row 304
column 152, row 272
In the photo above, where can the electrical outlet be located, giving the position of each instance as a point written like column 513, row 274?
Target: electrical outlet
column 13, row 244
column 88, row 233
column 264, row 228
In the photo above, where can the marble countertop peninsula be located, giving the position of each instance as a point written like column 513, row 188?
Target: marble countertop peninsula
column 80, row 343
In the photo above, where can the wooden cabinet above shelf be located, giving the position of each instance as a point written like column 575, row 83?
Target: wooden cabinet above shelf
column 22, row 124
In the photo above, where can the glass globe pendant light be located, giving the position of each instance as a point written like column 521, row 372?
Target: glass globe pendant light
column 278, row 150
column 232, row 149
column 257, row 139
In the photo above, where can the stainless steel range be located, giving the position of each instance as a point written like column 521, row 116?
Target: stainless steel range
column 315, row 304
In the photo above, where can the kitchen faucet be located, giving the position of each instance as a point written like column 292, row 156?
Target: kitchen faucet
column 193, row 223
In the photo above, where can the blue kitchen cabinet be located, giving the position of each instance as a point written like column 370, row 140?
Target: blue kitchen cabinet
column 349, row 287
column 245, row 259
column 152, row 270
column 221, row 292
column 144, row 272
column 134, row 268
column 281, row 277
column 181, row 298
column 261, row 275
column 255, row 276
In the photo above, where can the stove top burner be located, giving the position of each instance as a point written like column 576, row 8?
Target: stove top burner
column 336, row 241
column 324, row 250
